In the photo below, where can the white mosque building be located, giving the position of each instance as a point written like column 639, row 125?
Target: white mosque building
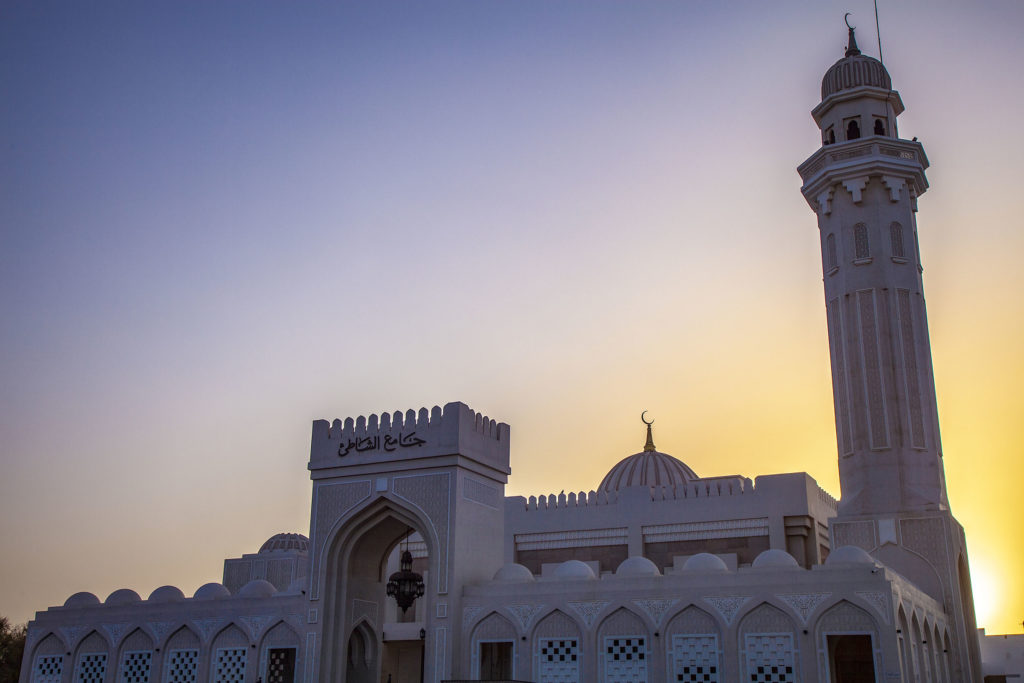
column 656, row 575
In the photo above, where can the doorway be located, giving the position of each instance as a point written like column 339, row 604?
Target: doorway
column 851, row 658
column 402, row 662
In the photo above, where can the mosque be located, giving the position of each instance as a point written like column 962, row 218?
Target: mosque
column 417, row 567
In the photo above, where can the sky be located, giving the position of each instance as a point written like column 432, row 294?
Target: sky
column 221, row 221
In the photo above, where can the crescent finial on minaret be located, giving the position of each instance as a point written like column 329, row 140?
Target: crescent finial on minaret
column 649, row 446
column 851, row 49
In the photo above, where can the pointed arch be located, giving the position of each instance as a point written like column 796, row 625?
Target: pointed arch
column 695, row 646
column 229, row 655
column 919, row 657
column 354, row 561
column 903, row 641
column 623, row 646
column 48, row 659
column 280, row 652
column 493, row 628
column 181, row 654
column 558, row 647
column 134, row 662
column 361, row 653
column 767, row 638
column 849, row 636
column 91, row 658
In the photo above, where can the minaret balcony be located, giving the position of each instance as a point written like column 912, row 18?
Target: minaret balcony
column 870, row 156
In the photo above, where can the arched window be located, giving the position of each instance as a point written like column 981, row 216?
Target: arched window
column 896, row 236
column 830, row 251
column 852, row 130
column 879, row 127
column 860, row 241
column 831, row 136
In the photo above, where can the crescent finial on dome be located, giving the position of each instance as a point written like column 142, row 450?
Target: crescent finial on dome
column 649, row 446
column 851, row 49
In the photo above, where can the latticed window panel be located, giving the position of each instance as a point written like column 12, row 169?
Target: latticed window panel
column 770, row 658
column 48, row 669
column 860, row 242
column 558, row 661
column 181, row 666
column 830, row 251
column 281, row 665
column 695, row 658
column 896, row 237
column 625, row 659
column 229, row 665
column 135, row 666
column 92, row 667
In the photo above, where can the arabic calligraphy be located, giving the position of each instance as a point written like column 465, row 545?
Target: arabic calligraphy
column 374, row 443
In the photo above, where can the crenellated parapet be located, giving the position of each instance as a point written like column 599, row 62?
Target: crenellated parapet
column 394, row 437
column 701, row 488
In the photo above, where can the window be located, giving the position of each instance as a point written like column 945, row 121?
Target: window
column 832, row 259
column 852, row 130
column 281, row 665
column 860, row 242
column 879, row 127
column 896, row 236
column 831, row 136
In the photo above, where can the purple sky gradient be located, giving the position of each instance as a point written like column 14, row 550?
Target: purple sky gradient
column 220, row 221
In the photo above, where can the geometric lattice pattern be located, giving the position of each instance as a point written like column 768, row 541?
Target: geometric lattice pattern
column 92, row 667
column 559, row 661
column 181, row 666
column 770, row 658
column 135, row 666
column 229, row 665
column 48, row 669
column 281, row 665
column 695, row 658
column 625, row 660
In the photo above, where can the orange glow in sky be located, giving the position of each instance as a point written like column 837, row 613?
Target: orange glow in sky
column 223, row 222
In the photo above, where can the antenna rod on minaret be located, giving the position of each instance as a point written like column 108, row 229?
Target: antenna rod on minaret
column 878, row 33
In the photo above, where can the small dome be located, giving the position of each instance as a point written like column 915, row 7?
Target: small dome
column 122, row 596
column 637, row 565
column 83, row 599
column 166, row 594
column 286, row 542
column 774, row 558
column 848, row 554
column 854, row 70
column 647, row 468
column 257, row 588
column 212, row 591
column 574, row 569
column 705, row 563
column 513, row 573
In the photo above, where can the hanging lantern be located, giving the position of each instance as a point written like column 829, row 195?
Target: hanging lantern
column 405, row 585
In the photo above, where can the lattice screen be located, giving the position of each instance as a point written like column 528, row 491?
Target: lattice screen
column 229, row 665
column 625, row 659
column 48, row 669
column 559, row 661
column 92, row 667
column 181, row 666
column 770, row 658
column 281, row 665
column 695, row 658
column 135, row 666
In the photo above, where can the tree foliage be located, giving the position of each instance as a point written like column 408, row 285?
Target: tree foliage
column 12, row 648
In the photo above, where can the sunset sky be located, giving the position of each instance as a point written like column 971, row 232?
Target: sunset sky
column 221, row 221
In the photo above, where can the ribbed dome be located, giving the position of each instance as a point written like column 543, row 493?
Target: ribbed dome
column 648, row 468
column 286, row 542
column 853, row 71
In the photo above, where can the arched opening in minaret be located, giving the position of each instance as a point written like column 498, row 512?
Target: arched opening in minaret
column 879, row 127
column 852, row 130
column 861, row 248
column 831, row 136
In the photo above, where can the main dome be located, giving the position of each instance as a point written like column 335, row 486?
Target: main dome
column 647, row 468
column 853, row 71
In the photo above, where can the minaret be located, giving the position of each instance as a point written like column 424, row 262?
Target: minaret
column 863, row 184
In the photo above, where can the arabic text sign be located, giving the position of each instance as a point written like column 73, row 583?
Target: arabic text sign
column 374, row 443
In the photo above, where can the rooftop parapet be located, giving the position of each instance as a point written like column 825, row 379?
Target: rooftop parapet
column 391, row 437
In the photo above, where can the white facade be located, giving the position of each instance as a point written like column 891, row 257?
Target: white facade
column 658, row 574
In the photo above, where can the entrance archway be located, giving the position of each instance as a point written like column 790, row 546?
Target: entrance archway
column 360, row 638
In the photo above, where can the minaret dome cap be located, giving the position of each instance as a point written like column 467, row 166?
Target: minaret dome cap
column 854, row 70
